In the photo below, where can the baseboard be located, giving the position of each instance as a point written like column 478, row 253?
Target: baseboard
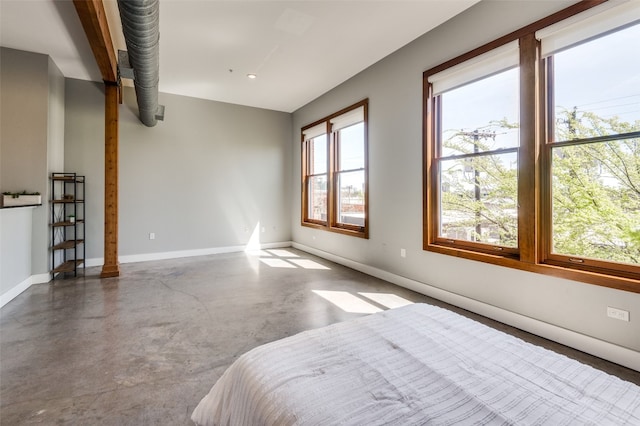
column 15, row 291
column 98, row 261
column 40, row 278
column 605, row 350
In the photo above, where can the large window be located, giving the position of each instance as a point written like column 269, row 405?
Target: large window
column 593, row 147
column 334, row 172
column 475, row 158
column 537, row 165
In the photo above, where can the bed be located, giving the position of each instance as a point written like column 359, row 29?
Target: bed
column 418, row 364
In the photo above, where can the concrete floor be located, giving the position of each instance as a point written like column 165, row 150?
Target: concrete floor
column 143, row 349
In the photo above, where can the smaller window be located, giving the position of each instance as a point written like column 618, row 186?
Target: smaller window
column 475, row 140
column 334, row 172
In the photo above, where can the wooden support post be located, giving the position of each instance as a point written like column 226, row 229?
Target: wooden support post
column 111, row 267
column 94, row 21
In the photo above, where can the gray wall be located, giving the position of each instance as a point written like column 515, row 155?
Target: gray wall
column 31, row 135
column 24, row 84
column 394, row 88
column 15, row 248
column 55, row 128
column 204, row 178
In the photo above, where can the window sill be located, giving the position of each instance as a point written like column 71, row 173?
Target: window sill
column 344, row 231
column 611, row 281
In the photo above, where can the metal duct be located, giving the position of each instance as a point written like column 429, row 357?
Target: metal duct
column 140, row 25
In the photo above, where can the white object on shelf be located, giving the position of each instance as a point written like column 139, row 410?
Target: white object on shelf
column 21, row 200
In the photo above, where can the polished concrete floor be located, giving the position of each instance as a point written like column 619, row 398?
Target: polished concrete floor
column 143, row 349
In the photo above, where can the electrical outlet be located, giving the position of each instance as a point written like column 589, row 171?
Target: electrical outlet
column 403, row 252
column 618, row 314
column 152, row 235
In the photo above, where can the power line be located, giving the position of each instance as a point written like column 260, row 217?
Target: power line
column 609, row 100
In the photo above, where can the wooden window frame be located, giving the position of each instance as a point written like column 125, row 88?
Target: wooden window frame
column 534, row 167
column 307, row 160
column 332, row 223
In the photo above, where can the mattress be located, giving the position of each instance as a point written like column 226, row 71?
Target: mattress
column 418, row 364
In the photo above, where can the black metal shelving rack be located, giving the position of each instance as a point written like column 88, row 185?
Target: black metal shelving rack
column 67, row 243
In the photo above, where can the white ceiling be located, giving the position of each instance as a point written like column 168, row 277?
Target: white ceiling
column 298, row 49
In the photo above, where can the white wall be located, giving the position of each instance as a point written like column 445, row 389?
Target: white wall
column 204, row 178
column 24, row 131
column 394, row 89
column 15, row 251
column 31, row 144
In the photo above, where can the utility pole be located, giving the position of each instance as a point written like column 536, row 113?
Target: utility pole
column 477, row 135
column 571, row 122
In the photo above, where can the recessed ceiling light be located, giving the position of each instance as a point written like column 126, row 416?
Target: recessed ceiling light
column 252, row 76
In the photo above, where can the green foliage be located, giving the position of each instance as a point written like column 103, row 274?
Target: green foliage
column 595, row 189
column 479, row 200
column 17, row 194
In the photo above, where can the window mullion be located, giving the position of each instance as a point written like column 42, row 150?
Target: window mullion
column 543, row 167
column 430, row 152
column 527, row 183
column 305, row 180
column 331, row 186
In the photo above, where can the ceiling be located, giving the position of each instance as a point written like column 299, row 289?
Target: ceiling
column 298, row 49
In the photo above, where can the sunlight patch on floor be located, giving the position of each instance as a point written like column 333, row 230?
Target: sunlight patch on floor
column 389, row 300
column 276, row 263
column 281, row 258
column 307, row 264
column 281, row 253
column 348, row 302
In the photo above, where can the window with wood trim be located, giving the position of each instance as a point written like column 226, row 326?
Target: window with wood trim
column 592, row 154
column 536, row 165
column 334, row 172
column 476, row 138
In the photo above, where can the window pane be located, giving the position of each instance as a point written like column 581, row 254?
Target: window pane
column 351, row 202
column 318, row 197
column 481, row 116
column 318, row 146
column 597, row 87
column 596, row 200
column 478, row 199
column 352, row 147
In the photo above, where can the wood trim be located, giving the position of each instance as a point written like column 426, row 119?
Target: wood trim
column 365, row 233
column 358, row 104
column 534, row 193
column 94, row 21
column 332, row 205
column 528, row 188
column 605, row 280
column 303, row 171
column 593, row 265
column 545, row 131
column 332, row 224
column 111, row 267
column 517, row 34
column 429, row 178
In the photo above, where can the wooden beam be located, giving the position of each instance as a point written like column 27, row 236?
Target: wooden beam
column 96, row 27
column 94, row 21
column 111, row 267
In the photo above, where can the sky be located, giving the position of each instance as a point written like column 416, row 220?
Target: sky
column 601, row 76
